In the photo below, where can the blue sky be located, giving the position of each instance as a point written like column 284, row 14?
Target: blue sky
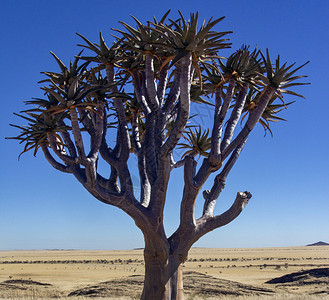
column 41, row 208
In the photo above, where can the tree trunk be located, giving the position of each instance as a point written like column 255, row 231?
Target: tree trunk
column 163, row 277
column 176, row 289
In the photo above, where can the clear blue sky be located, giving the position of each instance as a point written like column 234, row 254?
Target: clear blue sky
column 41, row 208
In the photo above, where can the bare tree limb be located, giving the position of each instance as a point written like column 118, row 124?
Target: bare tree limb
column 189, row 194
column 219, row 183
column 235, row 116
column 122, row 127
column 67, row 140
column 177, row 164
column 53, row 162
column 109, row 155
column 162, row 85
column 139, row 152
column 86, row 121
column 150, row 81
column 135, row 134
column 149, row 148
column 139, row 93
column 77, row 134
column 184, row 111
column 209, row 224
column 203, row 173
column 253, row 119
column 174, row 92
column 145, row 184
column 59, row 149
column 96, row 138
column 219, row 117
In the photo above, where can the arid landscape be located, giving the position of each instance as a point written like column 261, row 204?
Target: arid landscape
column 260, row 273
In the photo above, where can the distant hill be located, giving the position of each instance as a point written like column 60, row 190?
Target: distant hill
column 319, row 244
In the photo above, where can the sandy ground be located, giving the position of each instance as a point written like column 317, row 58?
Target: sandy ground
column 69, row 270
column 254, row 266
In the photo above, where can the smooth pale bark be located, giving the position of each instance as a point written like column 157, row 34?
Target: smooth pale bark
column 253, row 119
column 221, row 109
column 235, row 116
column 184, row 108
column 150, row 81
column 212, row 195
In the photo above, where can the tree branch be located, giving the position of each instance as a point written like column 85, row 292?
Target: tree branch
column 219, row 117
column 139, row 152
column 135, row 135
column 67, row 140
column 149, row 148
column 150, row 81
column 109, row 155
column 159, row 191
column 87, row 123
column 205, row 225
column 162, row 85
column 253, row 119
column 184, row 111
column 123, row 200
column 139, row 93
column 113, row 180
column 177, row 164
column 219, row 183
column 235, row 116
column 174, row 93
column 122, row 126
column 107, row 184
column 77, row 134
column 145, row 185
column 97, row 136
column 59, row 149
column 203, row 173
column 53, row 162
column 189, row 194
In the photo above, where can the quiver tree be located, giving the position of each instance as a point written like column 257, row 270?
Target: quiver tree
column 133, row 98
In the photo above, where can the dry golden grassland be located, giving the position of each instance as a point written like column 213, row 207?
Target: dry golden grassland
column 209, row 273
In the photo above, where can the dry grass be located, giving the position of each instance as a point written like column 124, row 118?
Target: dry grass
column 274, row 297
column 69, row 271
column 255, row 266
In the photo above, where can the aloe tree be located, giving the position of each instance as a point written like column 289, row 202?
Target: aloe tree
column 133, row 97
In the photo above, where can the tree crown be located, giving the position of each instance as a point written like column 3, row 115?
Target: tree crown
column 83, row 85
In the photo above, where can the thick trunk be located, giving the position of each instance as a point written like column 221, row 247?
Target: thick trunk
column 163, row 277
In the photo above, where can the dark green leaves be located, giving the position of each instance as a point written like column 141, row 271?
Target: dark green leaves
column 242, row 65
column 35, row 133
column 197, row 142
column 104, row 53
column 280, row 76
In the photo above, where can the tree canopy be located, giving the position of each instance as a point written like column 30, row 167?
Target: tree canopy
column 132, row 96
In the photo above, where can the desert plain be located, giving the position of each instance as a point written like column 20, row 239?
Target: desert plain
column 259, row 273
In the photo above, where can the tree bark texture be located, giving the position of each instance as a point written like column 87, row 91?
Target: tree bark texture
column 163, row 277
